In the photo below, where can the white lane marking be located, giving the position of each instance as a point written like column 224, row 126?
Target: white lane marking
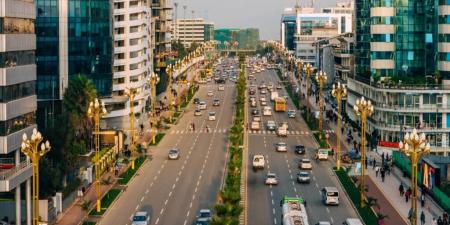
column 273, row 211
column 170, row 194
column 328, row 210
column 137, row 207
column 317, row 186
column 275, row 220
column 142, row 199
column 273, row 202
column 146, row 191
column 173, row 186
column 332, row 220
column 165, row 203
column 157, row 221
column 162, row 211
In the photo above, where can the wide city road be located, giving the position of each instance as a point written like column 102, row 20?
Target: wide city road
column 173, row 191
column 263, row 200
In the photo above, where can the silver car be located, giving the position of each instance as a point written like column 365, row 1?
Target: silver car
column 281, row 147
column 174, row 153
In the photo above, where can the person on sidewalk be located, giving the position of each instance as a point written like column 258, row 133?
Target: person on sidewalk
column 401, row 189
column 434, row 221
column 374, row 163
column 383, row 174
column 193, row 127
column 422, row 200
column 377, row 169
column 408, row 194
column 440, row 221
column 422, row 218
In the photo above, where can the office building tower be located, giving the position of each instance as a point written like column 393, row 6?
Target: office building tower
column 196, row 30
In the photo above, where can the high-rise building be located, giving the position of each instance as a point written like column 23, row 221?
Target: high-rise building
column 188, row 31
column 133, row 59
column 18, row 100
column 73, row 37
column 302, row 27
column 196, row 30
column 246, row 39
column 402, row 64
column 162, row 21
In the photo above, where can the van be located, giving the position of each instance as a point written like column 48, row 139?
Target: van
column 330, row 196
column 322, row 154
column 352, row 221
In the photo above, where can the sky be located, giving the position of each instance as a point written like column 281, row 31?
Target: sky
column 262, row 14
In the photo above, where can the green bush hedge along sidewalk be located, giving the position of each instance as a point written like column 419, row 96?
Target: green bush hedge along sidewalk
column 125, row 177
column 106, row 201
column 366, row 213
column 158, row 138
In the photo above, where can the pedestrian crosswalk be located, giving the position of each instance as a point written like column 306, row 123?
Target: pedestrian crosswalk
column 291, row 132
column 188, row 131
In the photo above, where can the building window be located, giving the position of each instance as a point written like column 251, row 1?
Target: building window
column 134, row 16
column 17, row 58
column 17, row 91
column 10, row 25
column 382, row 55
column 134, row 41
column 134, row 66
column 119, row 18
column 382, row 20
column 119, row 68
column 134, row 29
column 119, row 43
column 119, row 30
column 119, row 5
column 382, row 38
column 119, row 56
column 444, row 56
column 429, row 99
column 445, row 19
column 18, row 123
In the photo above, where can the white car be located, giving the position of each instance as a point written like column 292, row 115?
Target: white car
column 221, row 88
column 262, row 99
column 281, row 147
column 271, row 125
column 305, row 164
column 210, row 93
column 271, row 179
column 174, row 153
column 197, row 112
column 258, row 162
column 202, row 105
column 212, row 116
column 322, row 154
column 267, row 111
column 263, row 103
column 141, row 218
column 263, row 91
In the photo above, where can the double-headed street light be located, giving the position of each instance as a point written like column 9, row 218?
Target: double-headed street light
column 414, row 146
column 153, row 80
column 35, row 148
column 363, row 108
column 131, row 93
column 95, row 112
column 321, row 77
column 339, row 91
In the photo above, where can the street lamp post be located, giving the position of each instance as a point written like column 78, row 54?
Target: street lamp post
column 95, row 112
column 153, row 80
column 308, row 70
column 34, row 148
column 363, row 108
column 339, row 91
column 321, row 77
column 169, row 71
column 131, row 93
column 414, row 146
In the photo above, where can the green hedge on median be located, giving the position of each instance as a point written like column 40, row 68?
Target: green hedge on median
column 352, row 190
column 125, row 177
column 106, row 201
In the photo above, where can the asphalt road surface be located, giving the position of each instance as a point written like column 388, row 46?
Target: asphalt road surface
column 173, row 191
column 263, row 200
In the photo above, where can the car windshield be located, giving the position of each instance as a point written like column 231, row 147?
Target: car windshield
column 332, row 194
column 304, row 174
column 139, row 218
column 282, row 144
column 271, row 176
column 205, row 214
column 212, row 113
column 173, row 151
column 305, row 161
column 299, row 147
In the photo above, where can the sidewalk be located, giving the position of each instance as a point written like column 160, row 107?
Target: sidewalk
column 386, row 192
column 74, row 214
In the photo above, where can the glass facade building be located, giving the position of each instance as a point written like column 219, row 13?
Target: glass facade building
column 72, row 37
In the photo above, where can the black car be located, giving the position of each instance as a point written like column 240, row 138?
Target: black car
column 255, row 112
column 300, row 149
column 196, row 100
column 220, row 81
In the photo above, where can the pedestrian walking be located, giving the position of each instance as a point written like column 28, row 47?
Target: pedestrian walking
column 366, row 162
column 407, row 194
column 374, row 163
column 383, row 174
column 377, row 169
column 434, row 221
column 401, row 189
column 440, row 221
column 193, row 127
column 422, row 218
column 422, row 199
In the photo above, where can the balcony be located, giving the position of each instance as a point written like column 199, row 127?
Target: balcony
column 12, row 175
column 13, row 141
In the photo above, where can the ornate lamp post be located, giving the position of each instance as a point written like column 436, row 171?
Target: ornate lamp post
column 300, row 64
column 153, row 80
column 95, row 112
column 169, row 70
column 321, row 77
column 363, row 108
column 131, row 93
column 34, row 148
column 339, row 91
column 414, row 146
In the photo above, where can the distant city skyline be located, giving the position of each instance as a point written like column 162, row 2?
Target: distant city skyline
column 262, row 14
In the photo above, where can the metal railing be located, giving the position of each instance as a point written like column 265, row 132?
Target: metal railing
column 6, row 174
column 391, row 85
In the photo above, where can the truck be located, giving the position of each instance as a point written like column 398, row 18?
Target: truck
column 255, row 125
column 273, row 95
column 282, row 130
column 258, row 162
column 293, row 211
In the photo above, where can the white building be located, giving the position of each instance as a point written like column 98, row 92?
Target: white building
column 133, row 59
column 302, row 27
column 18, row 100
column 197, row 30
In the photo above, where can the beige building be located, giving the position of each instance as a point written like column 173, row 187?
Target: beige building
column 197, row 30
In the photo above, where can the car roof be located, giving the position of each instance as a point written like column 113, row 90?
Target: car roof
column 271, row 174
column 205, row 210
column 306, row 160
column 141, row 213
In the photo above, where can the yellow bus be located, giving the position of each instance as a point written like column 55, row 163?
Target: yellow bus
column 280, row 105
